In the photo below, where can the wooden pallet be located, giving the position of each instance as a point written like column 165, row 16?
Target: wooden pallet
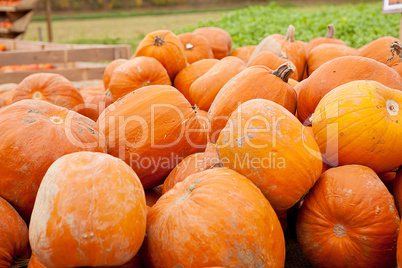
column 75, row 62
column 20, row 15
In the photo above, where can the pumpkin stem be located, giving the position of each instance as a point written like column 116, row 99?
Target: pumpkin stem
column 290, row 34
column 285, row 71
column 189, row 46
column 395, row 48
column 19, row 263
column 330, row 31
column 158, row 41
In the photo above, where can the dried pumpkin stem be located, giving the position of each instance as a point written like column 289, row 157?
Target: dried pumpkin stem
column 330, row 31
column 285, row 71
column 19, row 263
column 158, row 41
column 395, row 48
column 290, row 34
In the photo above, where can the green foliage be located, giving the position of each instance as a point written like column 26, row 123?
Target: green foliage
column 356, row 24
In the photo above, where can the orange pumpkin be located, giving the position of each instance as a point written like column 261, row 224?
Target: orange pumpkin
column 36, row 133
column 348, row 219
column 188, row 75
column 95, row 105
column 219, row 40
column 152, row 129
column 388, row 178
column 256, row 82
column 152, row 195
column 358, row 123
column 49, row 87
column 192, row 164
column 14, row 235
column 243, row 53
column 326, row 52
column 379, row 50
column 271, row 60
column 214, row 218
column 337, row 72
column 329, row 38
column 87, row 91
column 285, row 46
column 397, row 68
column 399, row 249
column 266, row 143
column 397, row 190
column 204, row 90
column 110, row 69
column 103, row 208
column 196, row 47
column 293, row 83
column 6, row 92
column 136, row 73
column 166, row 47
column 34, row 263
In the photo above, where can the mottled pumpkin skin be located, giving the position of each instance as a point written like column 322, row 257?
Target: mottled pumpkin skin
column 213, row 218
column 52, row 88
column 110, row 69
column 36, row 133
column 337, row 72
column 196, row 47
column 204, row 90
column 360, row 123
column 90, row 211
column 14, row 235
column 166, row 47
column 349, row 219
column 152, row 129
column 136, row 73
column 188, row 75
column 219, row 40
column 256, row 82
column 268, row 145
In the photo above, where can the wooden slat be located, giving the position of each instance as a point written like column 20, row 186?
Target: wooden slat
column 21, row 24
column 63, row 56
column 25, row 5
column 76, row 74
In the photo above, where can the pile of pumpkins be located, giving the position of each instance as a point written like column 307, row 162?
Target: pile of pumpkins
column 191, row 155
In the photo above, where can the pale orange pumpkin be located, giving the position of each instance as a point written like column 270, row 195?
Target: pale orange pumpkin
column 166, row 47
column 110, row 69
column 329, row 38
column 204, row 90
column 267, row 144
column 151, row 129
column 188, row 75
column 196, row 47
column 219, row 40
column 103, row 208
column 136, row 73
column 378, row 50
column 348, row 219
column 213, row 218
column 359, row 123
column 243, row 53
column 36, row 133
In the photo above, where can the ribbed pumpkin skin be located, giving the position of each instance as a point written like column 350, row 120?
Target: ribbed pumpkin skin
column 14, row 235
column 337, row 72
column 110, row 69
column 136, row 73
column 243, row 53
column 169, row 51
column 360, row 123
column 196, row 47
column 188, row 75
column 52, row 88
column 313, row 43
column 204, row 90
column 214, row 218
column 256, row 82
column 192, row 164
column 36, row 133
column 270, row 60
column 326, row 52
column 379, row 50
column 349, row 219
column 155, row 123
column 267, row 144
column 219, row 40
column 101, row 219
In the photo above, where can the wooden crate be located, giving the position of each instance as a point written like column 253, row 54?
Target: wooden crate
column 75, row 62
